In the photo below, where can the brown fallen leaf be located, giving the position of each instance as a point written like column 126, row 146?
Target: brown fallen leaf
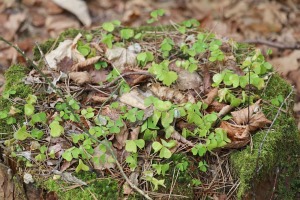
column 134, row 133
column 109, row 161
column 80, row 77
column 121, row 137
column 134, row 98
column 258, row 120
column 241, row 117
column 121, row 58
column 133, row 177
column 78, row 8
column 211, row 96
column 284, row 65
column 6, row 183
column 232, row 130
column 85, row 63
column 167, row 93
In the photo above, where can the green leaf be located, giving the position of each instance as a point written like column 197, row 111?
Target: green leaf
column 108, row 26
column 21, row 134
column 56, row 129
column 81, row 166
column 31, row 99
column 235, row 80
column 218, row 78
column 140, row 143
column 100, row 64
column 39, row 117
column 126, row 33
column 84, row 50
column 28, row 109
column 130, row 146
column 3, row 114
column 165, row 153
column 171, row 77
column 108, row 40
column 166, row 119
column 88, row 37
column 36, row 133
column 169, row 131
column 156, row 146
column 170, row 144
column 162, row 105
column 202, row 166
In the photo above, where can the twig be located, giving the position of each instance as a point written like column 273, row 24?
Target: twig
column 275, row 183
column 120, row 77
column 272, row 44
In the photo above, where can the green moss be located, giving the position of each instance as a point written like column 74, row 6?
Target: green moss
column 105, row 188
column 280, row 148
column 14, row 82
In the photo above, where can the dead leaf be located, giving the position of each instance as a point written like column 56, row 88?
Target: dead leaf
column 57, row 55
column 66, row 176
column 232, row 130
column 14, row 22
column 133, row 177
column 134, row 98
column 58, row 23
column 85, row 63
column 121, row 58
column 6, row 183
column 167, row 93
column 258, row 120
column 78, row 8
column 121, row 137
column 80, row 77
column 134, row 133
column 211, row 96
column 284, row 65
column 108, row 158
column 241, row 117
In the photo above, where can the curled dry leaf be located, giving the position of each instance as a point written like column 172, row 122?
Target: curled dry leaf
column 258, row 120
column 85, row 63
column 63, row 57
column 134, row 133
column 80, row 77
column 232, row 130
column 63, row 50
column 134, row 98
column 121, row 137
column 66, row 176
column 241, row 117
column 166, row 93
column 121, row 57
column 108, row 160
column 211, row 96
column 78, row 8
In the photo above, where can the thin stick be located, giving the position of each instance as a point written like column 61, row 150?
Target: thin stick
column 273, row 44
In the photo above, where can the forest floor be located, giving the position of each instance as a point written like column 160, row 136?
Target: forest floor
column 268, row 24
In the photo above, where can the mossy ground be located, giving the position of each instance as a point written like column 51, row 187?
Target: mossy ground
column 280, row 150
column 101, row 188
column 14, row 82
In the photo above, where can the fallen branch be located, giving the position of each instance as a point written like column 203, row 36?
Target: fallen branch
column 272, row 44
